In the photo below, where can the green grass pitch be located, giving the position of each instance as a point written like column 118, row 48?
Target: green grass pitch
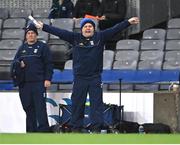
column 69, row 138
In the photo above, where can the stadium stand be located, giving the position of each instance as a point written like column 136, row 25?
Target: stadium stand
column 19, row 13
column 10, row 44
column 125, row 64
column 150, row 64
column 68, row 64
column 13, row 34
column 14, row 23
column 172, row 45
column 40, row 13
column 1, row 23
column 151, row 55
column 171, row 65
column 4, row 13
column 60, row 53
column 7, row 55
column 173, row 23
column 128, row 44
column 64, row 23
column 127, row 55
column 172, row 55
column 108, row 57
column 153, row 51
column 173, row 34
column 67, row 87
column 4, row 72
column 77, row 25
column 154, row 34
column 152, row 44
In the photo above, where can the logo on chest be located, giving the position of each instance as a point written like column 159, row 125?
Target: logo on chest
column 86, row 43
column 92, row 42
column 23, row 51
column 35, row 50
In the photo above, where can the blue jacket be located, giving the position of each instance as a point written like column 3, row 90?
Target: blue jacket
column 38, row 63
column 87, row 53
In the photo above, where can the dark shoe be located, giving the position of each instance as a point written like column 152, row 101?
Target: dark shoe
column 96, row 131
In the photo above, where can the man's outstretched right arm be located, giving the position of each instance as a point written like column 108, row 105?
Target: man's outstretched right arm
column 61, row 33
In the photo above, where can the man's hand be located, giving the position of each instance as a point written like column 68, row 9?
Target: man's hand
column 134, row 20
column 102, row 17
column 39, row 25
column 22, row 64
column 47, row 83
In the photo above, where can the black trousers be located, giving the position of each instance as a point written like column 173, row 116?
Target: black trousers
column 33, row 100
column 81, row 88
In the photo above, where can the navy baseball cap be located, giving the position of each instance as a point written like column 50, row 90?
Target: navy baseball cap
column 31, row 27
column 87, row 20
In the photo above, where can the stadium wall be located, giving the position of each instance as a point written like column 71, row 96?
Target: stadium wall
column 138, row 107
column 167, row 109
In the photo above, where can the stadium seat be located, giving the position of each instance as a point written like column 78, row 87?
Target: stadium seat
column 1, row 21
column 19, row 13
column 68, row 64
column 40, row 13
column 77, row 26
column 127, row 55
column 7, row 55
column 124, row 87
column 129, row 44
column 172, row 45
column 14, row 23
column 10, row 44
column 60, row 52
column 13, row 34
column 5, row 72
column 77, row 23
column 172, row 55
column 152, row 45
column 151, row 55
column 154, row 34
column 173, row 23
column 125, row 64
column 146, row 87
column 56, row 41
column 54, row 38
column 66, row 87
column 108, row 57
column 150, row 64
column 173, row 34
column 171, row 65
column 4, row 13
column 64, row 23
column 43, row 35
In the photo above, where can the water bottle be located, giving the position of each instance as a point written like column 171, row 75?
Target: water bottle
column 103, row 131
column 141, row 129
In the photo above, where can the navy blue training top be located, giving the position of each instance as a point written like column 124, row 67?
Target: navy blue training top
column 38, row 61
column 87, row 52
